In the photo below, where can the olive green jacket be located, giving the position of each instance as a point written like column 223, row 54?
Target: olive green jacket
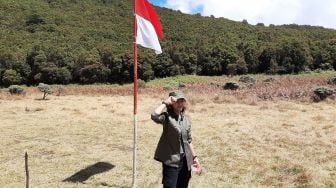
column 168, row 150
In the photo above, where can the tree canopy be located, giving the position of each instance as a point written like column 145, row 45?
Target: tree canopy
column 90, row 41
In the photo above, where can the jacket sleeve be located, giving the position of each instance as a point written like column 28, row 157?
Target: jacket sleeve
column 158, row 118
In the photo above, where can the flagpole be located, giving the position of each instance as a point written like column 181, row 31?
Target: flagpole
column 135, row 95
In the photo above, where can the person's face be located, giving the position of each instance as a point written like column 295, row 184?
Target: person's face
column 178, row 105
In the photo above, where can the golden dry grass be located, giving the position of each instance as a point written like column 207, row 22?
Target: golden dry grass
column 240, row 143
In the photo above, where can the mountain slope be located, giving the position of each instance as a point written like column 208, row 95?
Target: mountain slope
column 52, row 39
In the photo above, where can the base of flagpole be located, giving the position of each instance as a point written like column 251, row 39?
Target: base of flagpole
column 135, row 126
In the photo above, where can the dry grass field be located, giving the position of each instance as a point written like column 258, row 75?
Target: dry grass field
column 241, row 141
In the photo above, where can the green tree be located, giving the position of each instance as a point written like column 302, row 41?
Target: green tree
column 13, row 72
column 145, row 72
column 241, row 66
column 11, row 77
column 46, row 40
column 94, row 73
column 265, row 59
column 164, row 66
column 215, row 61
column 231, row 69
column 45, row 89
column 332, row 52
column 273, row 67
column 294, row 57
column 190, row 63
column 33, row 21
column 49, row 66
column 249, row 50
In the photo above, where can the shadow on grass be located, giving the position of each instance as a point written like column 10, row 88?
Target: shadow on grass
column 41, row 99
column 89, row 171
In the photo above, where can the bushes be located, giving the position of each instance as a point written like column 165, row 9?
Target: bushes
column 332, row 81
column 247, row 79
column 53, row 75
column 231, row 86
column 94, row 73
column 15, row 90
column 13, row 69
column 322, row 93
column 54, row 66
column 217, row 61
column 11, row 77
column 49, row 66
column 33, row 22
column 141, row 83
column 146, row 72
column 213, row 47
column 45, row 89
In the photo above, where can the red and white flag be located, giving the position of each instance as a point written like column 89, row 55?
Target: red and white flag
column 149, row 29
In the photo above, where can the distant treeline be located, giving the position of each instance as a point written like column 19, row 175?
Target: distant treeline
column 55, row 66
column 90, row 41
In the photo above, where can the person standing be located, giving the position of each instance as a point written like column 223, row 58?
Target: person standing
column 175, row 149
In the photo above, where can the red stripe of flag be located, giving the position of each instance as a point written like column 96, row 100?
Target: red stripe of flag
column 148, row 26
column 144, row 9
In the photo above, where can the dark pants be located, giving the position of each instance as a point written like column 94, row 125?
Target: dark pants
column 173, row 177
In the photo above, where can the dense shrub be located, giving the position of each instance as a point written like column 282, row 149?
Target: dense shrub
column 15, row 90
column 141, row 83
column 332, row 81
column 231, row 86
column 247, row 79
column 145, row 72
column 94, row 73
column 41, row 44
column 322, row 93
column 11, row 77
column 269, row 80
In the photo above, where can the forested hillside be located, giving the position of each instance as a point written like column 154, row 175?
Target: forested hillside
column 90, row 41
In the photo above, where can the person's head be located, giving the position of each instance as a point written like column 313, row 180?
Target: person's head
column 178, row 101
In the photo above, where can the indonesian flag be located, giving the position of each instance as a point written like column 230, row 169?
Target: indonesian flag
column 149, row 29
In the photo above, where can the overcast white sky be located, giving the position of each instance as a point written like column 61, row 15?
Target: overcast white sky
column 302, row 12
